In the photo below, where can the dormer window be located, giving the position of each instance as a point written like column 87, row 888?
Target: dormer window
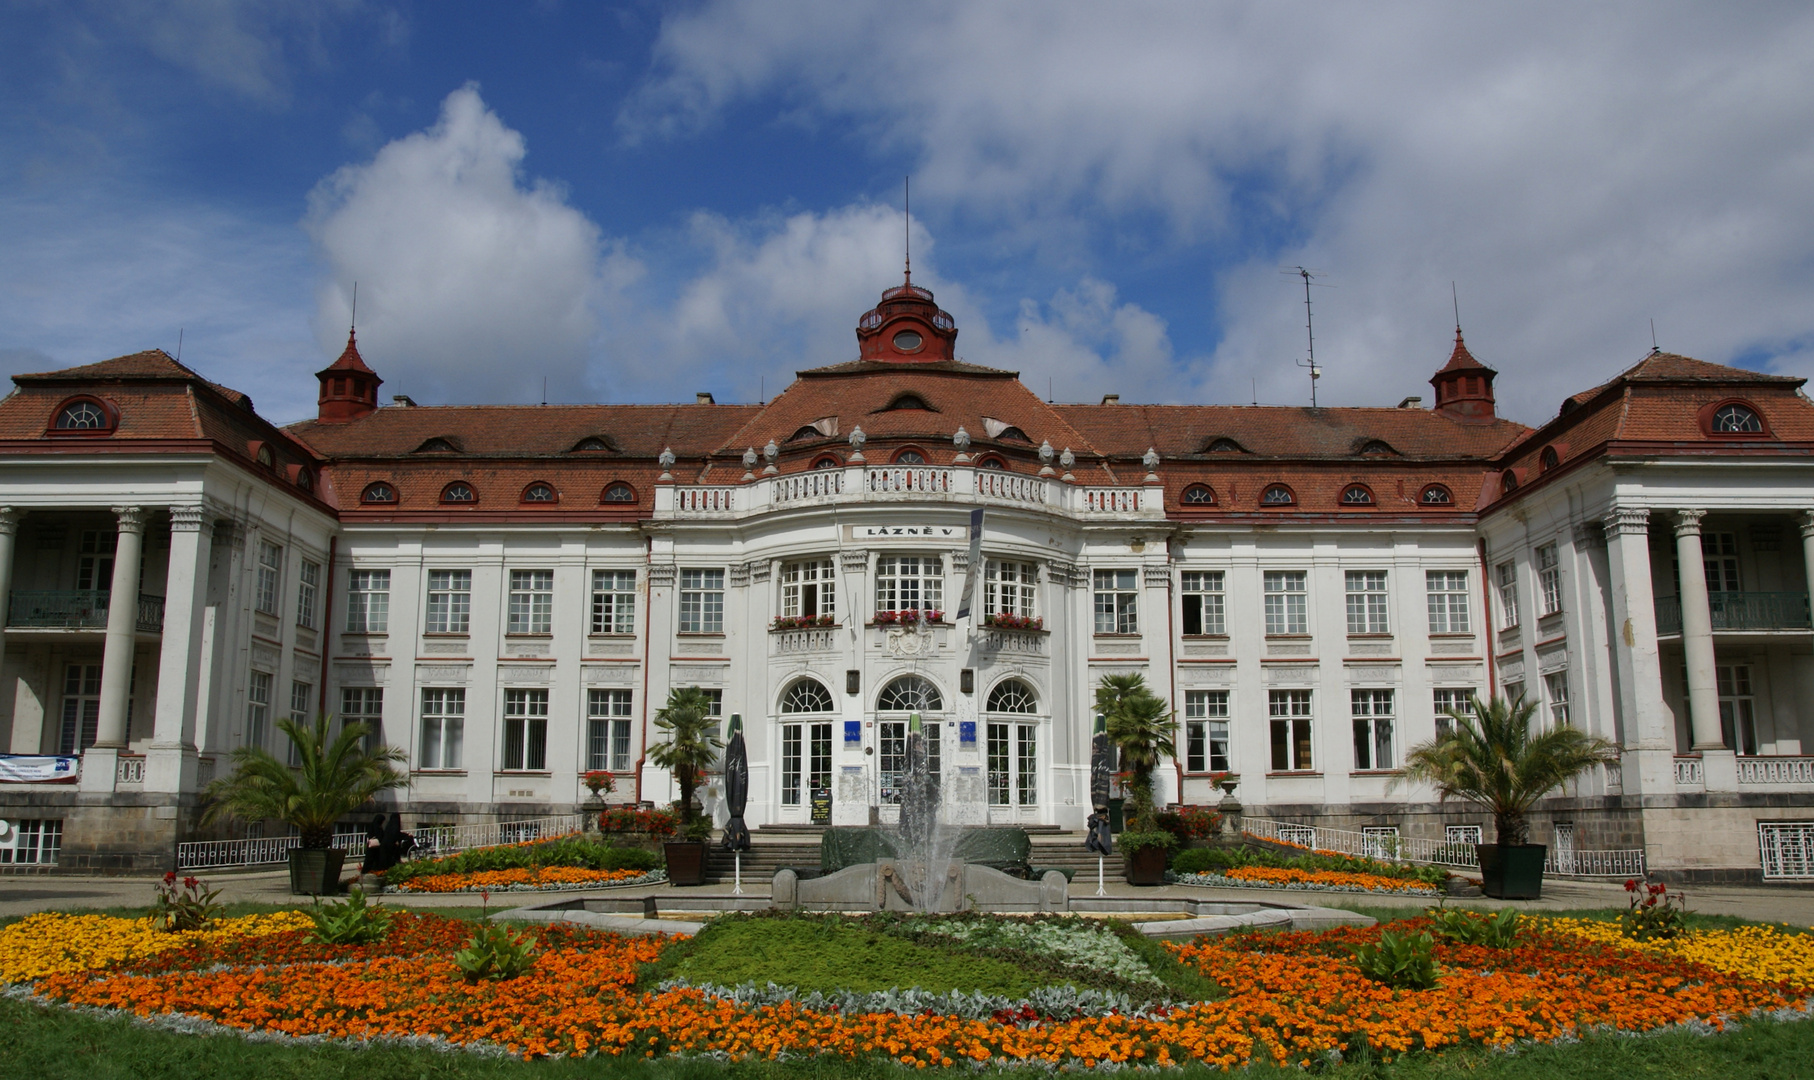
column 83, row 415
column 1224, row 446
column 539, row 492
column 1013, row 434
column 1508, row 482
column 805, row 433
column 459, row 492
column 910, row 457
column 1198, row 495
column 304, row 480
column 1356, row 495
column 1377, row 446
column 377, row 493
column 1548, row 459
column 266, row 456
column 1736, row 419
column 619, row 493
column 1436, row 495
column 1277, row 495
column 591, row 444
column 826, row 462
column 992, row 463
column 438, row 445
column 901, row 401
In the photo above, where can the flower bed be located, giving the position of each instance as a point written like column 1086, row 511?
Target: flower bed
column 1314, row 869
column 530, row 879
column 533, row 862
column 1293, row 997
column 1269, row 877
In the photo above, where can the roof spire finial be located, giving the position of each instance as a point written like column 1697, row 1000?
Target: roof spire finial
column 907, row 223
column 352, row 328
column 1455, row 298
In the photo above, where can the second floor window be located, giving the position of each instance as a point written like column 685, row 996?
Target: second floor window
column 1508, row 595
column 808, row 589
column 1549, row 578
column 910, row 583
column 1286, row 611
column 531, row 602
column 1447, row 701
column 1556, row 687
column 308, row 585
column 1009, row 588
column 702, row 601
column 270, row 577
column 1202, row 593
column 368, row 601
column 1117, row 601
column 1448, row 596
column 449, row 601
column 614, row 601
column 1367, row 602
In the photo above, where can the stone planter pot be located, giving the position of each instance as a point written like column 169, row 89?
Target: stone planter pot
column 315, row 871
column 1146, row 866
column 1511, row 871
column 686, row 862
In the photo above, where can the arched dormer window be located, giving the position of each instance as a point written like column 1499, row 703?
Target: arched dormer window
column 1012, row 696
column 1357, row 495
column 459, row 492
column 1013, row 434
column 303, row 478
column 806, row 696
column 264, row 455
column 1548, row 459
column 540, row 492
column 438, row 445
column 1378, row 447
column 993, row 463
column 909, row 456
column 619, row 492
column 910, row 693
column 378, row 492
column 906, row 401
column 1277, row 495
column 593, row 444
column 1436, row 495
column 1508, row 482
column 805, row 433
column 84, row 416
column 1734, row 418
column 1223, row 446
column 827, row 462
column 1198, row 495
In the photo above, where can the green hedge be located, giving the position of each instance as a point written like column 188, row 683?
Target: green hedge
column 1219, row 860
column 566, row 851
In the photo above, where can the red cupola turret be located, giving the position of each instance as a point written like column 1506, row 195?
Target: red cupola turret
column 1464, row 386
column 906, row 327
column 349, row 389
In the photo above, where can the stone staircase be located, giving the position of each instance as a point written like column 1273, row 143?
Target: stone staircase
column 772, row 848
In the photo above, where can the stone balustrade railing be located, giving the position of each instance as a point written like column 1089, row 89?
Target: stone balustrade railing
column 907, row 483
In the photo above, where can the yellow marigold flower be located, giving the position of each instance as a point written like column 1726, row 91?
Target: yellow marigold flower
column 49, row 942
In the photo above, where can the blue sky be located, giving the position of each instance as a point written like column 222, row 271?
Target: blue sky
column 637, row 201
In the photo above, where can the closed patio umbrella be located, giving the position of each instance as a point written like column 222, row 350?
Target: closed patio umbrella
column 736, row 787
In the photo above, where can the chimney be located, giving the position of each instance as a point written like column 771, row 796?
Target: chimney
column 1111, row 399
column 1412, row 402
column 404, row 400
column 703, row 397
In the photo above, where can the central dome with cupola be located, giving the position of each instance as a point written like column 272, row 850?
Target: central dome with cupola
column 907, row 327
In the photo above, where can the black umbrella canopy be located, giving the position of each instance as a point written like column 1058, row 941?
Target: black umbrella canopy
column 1102, row 764
column 736, row 787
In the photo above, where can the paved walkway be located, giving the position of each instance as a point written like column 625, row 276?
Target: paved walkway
column 21, row 895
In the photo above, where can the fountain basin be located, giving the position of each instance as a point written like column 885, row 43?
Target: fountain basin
column 908, row 885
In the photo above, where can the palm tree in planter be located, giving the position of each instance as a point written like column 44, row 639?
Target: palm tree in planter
column 1141, row 725
column 1493, row 758
column 689, row 752
column 332, row 778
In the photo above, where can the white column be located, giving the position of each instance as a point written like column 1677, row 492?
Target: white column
column 9, row 530
column 1807, row 546
column 169, row 759
column 1649, row 732
column 1697, row 632
column 122, row 626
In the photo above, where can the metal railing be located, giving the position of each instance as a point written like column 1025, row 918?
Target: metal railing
column 445, row 840
column 1775, row 770
column 1614, row 863
column 76, row 609
column 1742, row 611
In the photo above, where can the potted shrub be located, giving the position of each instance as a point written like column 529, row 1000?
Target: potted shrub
column 1141, row 726
column 690, row 749
column 333, row 779
column 1494, row 759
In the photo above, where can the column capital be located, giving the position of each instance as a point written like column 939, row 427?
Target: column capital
column 1627, row 521
column 132, row 518
column 188, row 518
column 1688, row 522
column 9, row 520
column 1807, row 524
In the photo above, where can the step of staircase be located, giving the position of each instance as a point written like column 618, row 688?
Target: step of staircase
column 772, row 849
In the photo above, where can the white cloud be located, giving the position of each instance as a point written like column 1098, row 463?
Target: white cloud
column 474, row 283
column 1577, row 169
column 248, row 47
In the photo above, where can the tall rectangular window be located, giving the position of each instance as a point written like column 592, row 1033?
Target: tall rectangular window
column 891, row 757
column 702, row 601
column 1373, row 712
column 1117, row 601
column 808, row 589
column 1026, row 764
column 1286, row 611
column 1448, row 596
column 1508, row 595
column 608, row 730
column 1719, row 558
column 449, row 601
column 270, row 577
column 1202, row 600
column 1448, row 700
column 1549, row 579
column 910, row 583
column 999, row 776
column 525, row 730
column 443, row 728
column 308, row 587
column 806, row 759
column 258, row 709
column 368, row 601
column 1289, row 712
column 300, row 695
column 364, row 705
column 1738, row 709
column 81, row 708
column 1206, row 731
column 531, row 602
column 1367, row 602
column 614, row 601
column 1009, row 588
column 1556, row 688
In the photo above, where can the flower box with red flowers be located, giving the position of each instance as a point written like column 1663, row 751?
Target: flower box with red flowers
column 908, row 617
column 802, row 622
column 1005, row 621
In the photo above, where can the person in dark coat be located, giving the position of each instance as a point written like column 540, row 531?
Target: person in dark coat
column 374, row 845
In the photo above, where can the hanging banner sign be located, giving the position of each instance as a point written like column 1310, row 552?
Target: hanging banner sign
column 33, row 769
column 975, row 569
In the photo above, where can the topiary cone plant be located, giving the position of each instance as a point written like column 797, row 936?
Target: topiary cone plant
column 689, row 752
column 1141, row 725
column 1495, row 759
column 332, row 778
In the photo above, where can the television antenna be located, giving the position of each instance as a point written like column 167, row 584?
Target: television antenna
column 1309, row 276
